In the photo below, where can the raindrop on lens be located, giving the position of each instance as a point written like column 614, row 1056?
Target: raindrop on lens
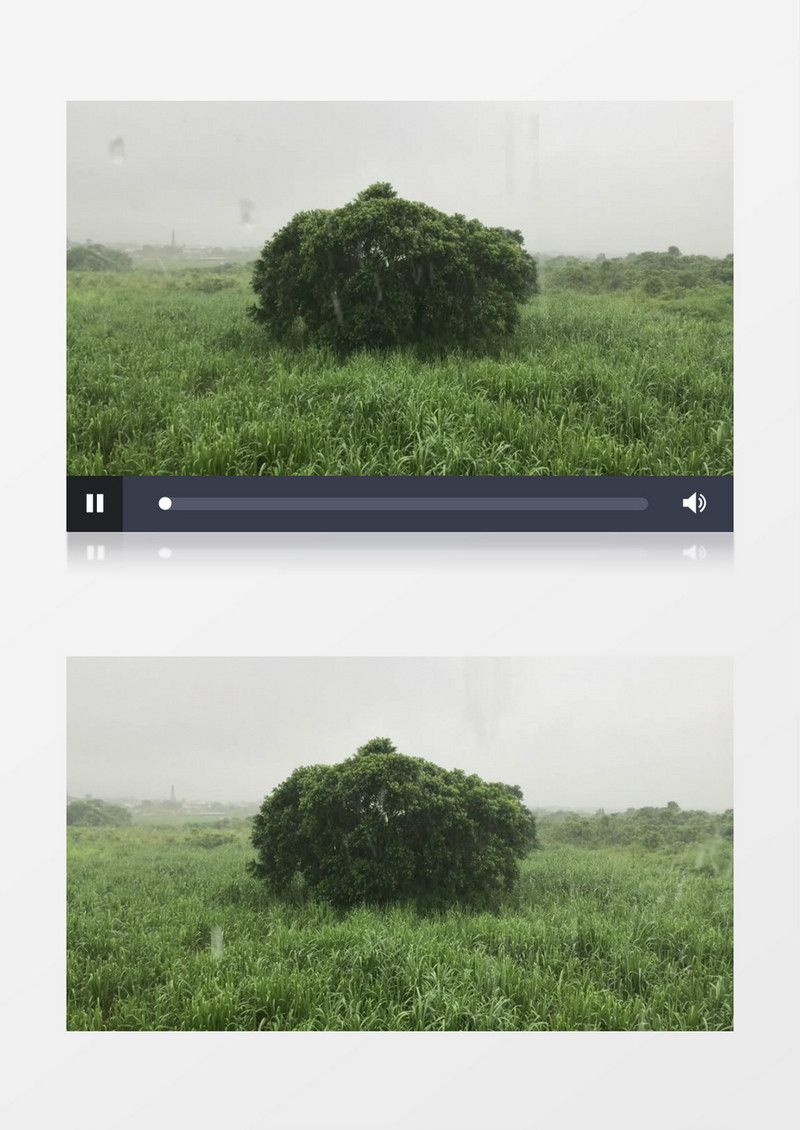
column 247, row 215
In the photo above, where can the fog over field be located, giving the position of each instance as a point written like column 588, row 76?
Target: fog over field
column 575, row 178
column 588, row 732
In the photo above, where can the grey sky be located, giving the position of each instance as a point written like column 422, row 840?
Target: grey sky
column 576, row 178
column 589, row 732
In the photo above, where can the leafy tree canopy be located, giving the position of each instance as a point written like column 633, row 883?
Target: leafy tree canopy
column 384, row 271
column 383, row 827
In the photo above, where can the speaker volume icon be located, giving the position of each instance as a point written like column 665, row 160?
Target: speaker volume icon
column 696, row 503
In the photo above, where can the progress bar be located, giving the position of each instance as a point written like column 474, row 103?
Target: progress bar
column 385, row 503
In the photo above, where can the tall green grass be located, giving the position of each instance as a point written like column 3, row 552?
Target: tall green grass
column 164, row 933
column 168, row 375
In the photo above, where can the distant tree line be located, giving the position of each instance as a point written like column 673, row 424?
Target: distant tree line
column 652, row 272
column 651, row 828
column 94, row 813
column 96, row 257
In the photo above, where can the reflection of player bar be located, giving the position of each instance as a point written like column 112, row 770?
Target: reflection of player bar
column 390, row 503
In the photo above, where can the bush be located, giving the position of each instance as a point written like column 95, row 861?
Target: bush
column 95, row 257
column 209, row 838
column 93, row 813
column 207, row 283
column 382, row 271
column 382, row 827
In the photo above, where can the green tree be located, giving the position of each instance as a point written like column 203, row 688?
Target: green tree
column 377, row 745
column 383, row 271
column 382, row 827
column 653, row 283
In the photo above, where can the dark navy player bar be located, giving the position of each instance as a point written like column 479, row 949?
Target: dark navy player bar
column 241, row 504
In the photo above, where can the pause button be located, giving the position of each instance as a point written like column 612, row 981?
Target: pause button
column 94, row 504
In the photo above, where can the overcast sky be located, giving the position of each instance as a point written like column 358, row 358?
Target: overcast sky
column 576, row 178
column 590, row 732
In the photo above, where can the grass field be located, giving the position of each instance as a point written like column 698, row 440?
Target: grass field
column 165, row 933
column 168, row 375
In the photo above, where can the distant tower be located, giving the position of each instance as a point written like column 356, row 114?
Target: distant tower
column 172, row 795
column 173, row 237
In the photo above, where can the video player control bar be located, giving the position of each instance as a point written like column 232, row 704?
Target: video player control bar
column 451, row 503
column 408, row 503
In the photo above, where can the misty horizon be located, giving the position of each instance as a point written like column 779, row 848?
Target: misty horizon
column 572, row 733
column 542, row 256
column 576, row 178
column 584, row 809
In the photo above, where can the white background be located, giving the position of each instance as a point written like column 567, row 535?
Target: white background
column 395, row 595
